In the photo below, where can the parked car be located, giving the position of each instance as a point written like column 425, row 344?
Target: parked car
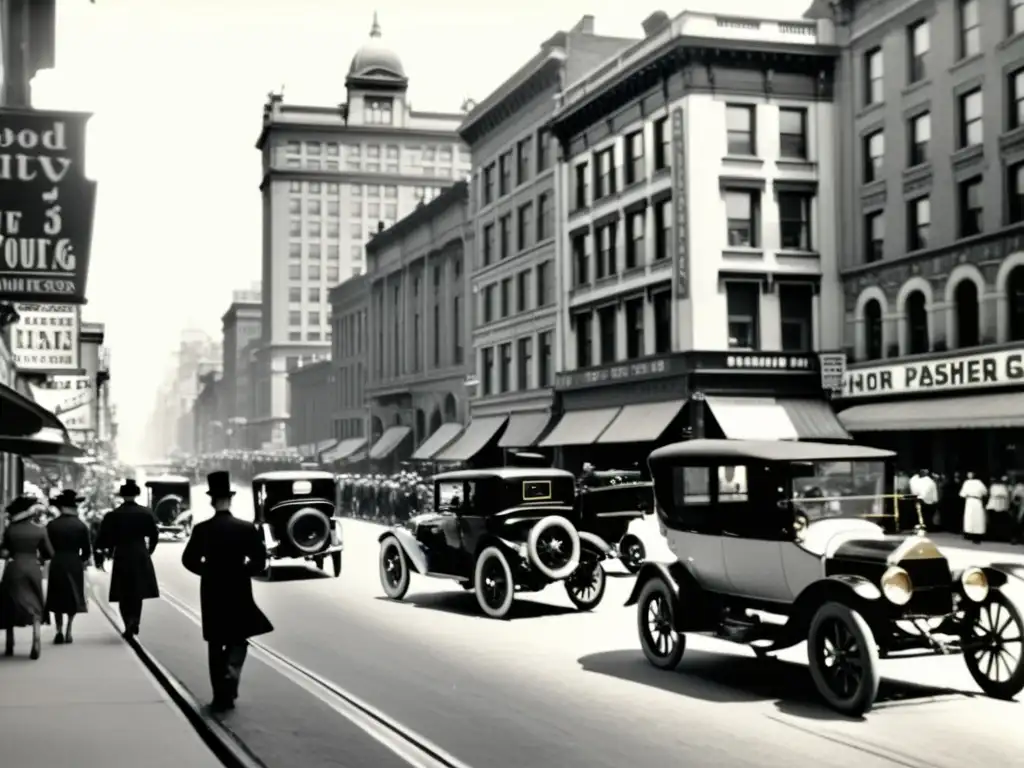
column 608, row 501
column 775, row 544
column 170, row 498
column 498, row 532
column 295, row 511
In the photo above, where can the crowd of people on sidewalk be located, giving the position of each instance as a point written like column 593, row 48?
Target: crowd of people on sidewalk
column 964, row 504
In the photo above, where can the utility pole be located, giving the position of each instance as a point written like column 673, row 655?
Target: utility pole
column 29, row 32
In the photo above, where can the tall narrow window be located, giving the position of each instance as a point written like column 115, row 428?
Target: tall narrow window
column 607, row 320
column 971, row 125
column 970, row 28
column 635, row 328
column 796, row 311
column 743, row 307
column 795, row 221
column 793, row 133
column 919, row 222
column 919, row 39
column 584, row 327
column 920, row 138
column 741, row 212
column 874, row 77
column 740, row 130
column 971, row 207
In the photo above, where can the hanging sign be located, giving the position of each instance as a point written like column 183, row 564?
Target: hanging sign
column 46, row 338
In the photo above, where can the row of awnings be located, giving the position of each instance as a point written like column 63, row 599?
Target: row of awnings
column 938, row 413
column 28, row 429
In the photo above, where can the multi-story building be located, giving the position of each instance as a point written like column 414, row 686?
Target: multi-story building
column 931, row 153
column 311, row 410
column 208, row 425
column 698, row 255
column 350, row 302
column 241, row 324
column 171, row 421
column 513, row 265
column 247, row 373
column 418, row 332
column 330, row 176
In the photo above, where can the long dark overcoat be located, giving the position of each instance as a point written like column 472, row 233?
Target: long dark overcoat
column 72, row 548
column 226, row 553
column 25, row 545
column 130, row 534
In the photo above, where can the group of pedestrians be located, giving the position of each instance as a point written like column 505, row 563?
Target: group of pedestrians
column 384, row 498
column 965, row 504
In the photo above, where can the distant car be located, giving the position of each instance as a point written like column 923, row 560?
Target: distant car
column 498, row 532
column 296, row 514
column 170, row 498
column 773, row 548
column 608, row 501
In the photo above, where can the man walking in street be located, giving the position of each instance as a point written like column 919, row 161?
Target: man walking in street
column 226, row 553
column 130, row 535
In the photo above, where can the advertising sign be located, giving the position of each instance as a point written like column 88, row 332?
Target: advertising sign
column 46, row 206
column 681, row 254
column 72, row 399
column 46, row 338
column 833, row 371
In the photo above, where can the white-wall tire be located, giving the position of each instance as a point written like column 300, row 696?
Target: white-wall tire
column 493, row 584
column 539, row 556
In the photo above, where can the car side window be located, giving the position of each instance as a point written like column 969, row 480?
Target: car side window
column 732, row 484
column 450, row 496
column 691, row 508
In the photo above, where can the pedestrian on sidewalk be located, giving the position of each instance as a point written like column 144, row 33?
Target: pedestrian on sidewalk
column 72, row 548
column 226, row 553
column 973, row 492
column 130, row 534
column 25, row 545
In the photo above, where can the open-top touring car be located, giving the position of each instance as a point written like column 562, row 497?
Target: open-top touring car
column 608, row 501
column 170, row 498
column 498, row 531
column 774, row 545
column 296, row 514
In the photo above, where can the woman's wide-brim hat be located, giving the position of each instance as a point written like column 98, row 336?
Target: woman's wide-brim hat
column 67, row 498
column 129, row 488
column 23, row 508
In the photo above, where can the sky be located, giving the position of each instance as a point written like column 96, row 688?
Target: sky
column 177, row 89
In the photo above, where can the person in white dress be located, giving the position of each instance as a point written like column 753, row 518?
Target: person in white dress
column 973, row 492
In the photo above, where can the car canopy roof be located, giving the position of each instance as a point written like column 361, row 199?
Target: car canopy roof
column 503, row 473
column 765, row 450
column 168, row 480
column 292, row 475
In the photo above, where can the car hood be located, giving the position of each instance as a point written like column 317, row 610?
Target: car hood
column 917, row 555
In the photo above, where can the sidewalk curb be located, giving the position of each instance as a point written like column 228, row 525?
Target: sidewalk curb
column 220, row 740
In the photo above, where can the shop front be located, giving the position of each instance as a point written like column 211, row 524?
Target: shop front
column 615, row 415
column 949, row 412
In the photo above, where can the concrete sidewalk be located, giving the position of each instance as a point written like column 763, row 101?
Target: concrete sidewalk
column 90, row 703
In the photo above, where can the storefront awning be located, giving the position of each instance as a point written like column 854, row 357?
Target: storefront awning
column 580, row 427
column 642, row 422
column 21, row 416
column 524, row 428
column 343, row 449
column 766, row 418
column 388, row 442
column 48, row 441
column 974, row 412
column 477, row 435
column 441, row 438
column 814, row 420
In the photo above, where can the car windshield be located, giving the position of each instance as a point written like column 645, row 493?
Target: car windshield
column 825, row 489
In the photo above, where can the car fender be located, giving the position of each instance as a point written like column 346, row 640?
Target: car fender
column 591, row 542
column 855, row 592
column 411, row 547
column 673, row 574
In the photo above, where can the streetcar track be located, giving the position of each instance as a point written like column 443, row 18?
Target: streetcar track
column 889, row 754
column 412, row 747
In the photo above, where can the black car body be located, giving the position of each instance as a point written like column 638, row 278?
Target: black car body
column 170, row 498
column 297, row 516
column 775, row 544
column 498, row 531
column 608, row 501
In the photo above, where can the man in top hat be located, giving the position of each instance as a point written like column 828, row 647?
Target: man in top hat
column 226, row 553
column 130, row 535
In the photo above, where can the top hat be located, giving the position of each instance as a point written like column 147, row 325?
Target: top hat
column 219, row 485
column 129, row 489
column 67, row 498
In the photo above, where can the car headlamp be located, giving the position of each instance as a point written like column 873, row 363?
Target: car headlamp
column 975, row 584
column 897, row 586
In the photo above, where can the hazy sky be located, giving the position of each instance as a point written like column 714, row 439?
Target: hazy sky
column 177, row 88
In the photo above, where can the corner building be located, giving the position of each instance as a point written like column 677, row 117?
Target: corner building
column 698, row 257
column 932, row 201
column 331, row 176
column 513, row 265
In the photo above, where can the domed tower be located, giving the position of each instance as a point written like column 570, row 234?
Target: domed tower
column 375, row 67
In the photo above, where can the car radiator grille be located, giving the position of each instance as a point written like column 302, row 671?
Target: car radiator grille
column 933, row 587
column 933, row 572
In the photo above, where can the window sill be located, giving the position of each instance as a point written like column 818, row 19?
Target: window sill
column 798, row 253
column 660, row 173
column 741, row 252
column 916, row 86
column 869, row 109
column 966, row 61
column 1011, row 40
column 750, row 160
column 796, row 163
column 1012, row 140
column 966, row 157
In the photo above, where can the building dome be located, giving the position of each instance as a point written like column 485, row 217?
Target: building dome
column 374, row 59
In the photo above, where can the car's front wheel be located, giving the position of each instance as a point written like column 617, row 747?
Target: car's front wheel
column 994, row 646
column 843, row 658
column 585, row 586
column 655, row 619
column 493, row 583
column 394, row 569
column 632, row 552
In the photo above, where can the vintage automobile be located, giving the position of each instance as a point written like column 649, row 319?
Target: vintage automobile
column 498, row 532
column 170, row 498
column 296, row 514
column 608, row 501
column 775, row 544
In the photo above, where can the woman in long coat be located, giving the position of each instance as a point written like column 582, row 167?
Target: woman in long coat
column 25, row 545
column 72, row 548
column 973, row 492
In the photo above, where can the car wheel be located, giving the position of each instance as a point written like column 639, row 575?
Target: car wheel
column 553, row 546
column 493, row 583
column 308, row 530
column 632, row 552
column 336, row 563
column 585, row 586
column 655, row 618
column 843, row 658
column 394, row 569
column 994, row 646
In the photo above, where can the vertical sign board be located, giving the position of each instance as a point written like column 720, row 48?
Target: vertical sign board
column 72, row 399
column 46, row 206
column 833, row 371
column 46, row 338
column 680, row 254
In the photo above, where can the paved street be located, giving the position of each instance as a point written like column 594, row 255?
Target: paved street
column 552, row 686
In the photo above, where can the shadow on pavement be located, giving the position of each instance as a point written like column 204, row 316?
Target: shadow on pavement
column 725, row 678
column 464, row 604
column 293, row 573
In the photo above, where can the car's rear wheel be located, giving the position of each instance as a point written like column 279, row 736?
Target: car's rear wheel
column 493, row 583
column 394, row 569
column 308, row 530
column 585, row 586
column 655, row 619
column 553, row 546
column 843, row 658
column 632, row 552
column 994, row 646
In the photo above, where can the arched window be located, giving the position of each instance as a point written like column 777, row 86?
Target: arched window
column 966, row 303
column 873, row 330
column 451, row 409
column 376, row 429
column 421, row 425
column 1015, row 303
column 917, row 323
column 435, row 421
